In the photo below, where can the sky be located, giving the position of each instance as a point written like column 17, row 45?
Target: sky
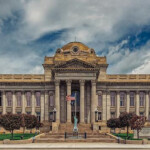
column 33, row 29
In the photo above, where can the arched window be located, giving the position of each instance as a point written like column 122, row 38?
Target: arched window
column 122, row 98
column 132, row 98
column 100, row 100
column 9, row 98
column 113, row 98
column 19, row 99
column 38, row 98
column 51, row 100
column 28, row 98
column 142, row 98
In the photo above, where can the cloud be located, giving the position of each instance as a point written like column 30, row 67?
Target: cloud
column 28, row 29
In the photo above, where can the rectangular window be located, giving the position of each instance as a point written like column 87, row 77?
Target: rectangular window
column 132, row 98
column 28, row 113
column 112, row 114
column 19, row 99
column 113, row 98
column 51, row 118
column 38, row 115
column 9, row 99
column 51, row 100
column 122, row 99
column 28, row 99
column 100, row 100
column 38, row 98
column 142, row 98
column 0, row 98
column 141, row 113
column 99, row 116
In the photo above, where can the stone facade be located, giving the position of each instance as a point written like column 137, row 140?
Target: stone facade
column 75, row 68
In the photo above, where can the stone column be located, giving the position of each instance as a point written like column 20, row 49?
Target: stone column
column 128, row 102
column 118, row 104
column 33, row 103
column 93, row 101
column 4, row 102
column 147, row 105
column 68, row 102
column 108, row 104
column 57, row 100
column 46, row 106
column 104, row 106
column 82, row 116
column 42, row 106
column 137, row 103
column 23, row 102
column 14, row 103
column 88, row 103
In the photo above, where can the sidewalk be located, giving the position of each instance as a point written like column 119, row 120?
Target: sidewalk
column 85, row 146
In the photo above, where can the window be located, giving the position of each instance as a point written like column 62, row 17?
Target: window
column 0, row 98
column 51, row 100
column 9, row 98
column 142, row 98
column 18, row 113
column 141, row 113
column 38, row 115
column 112, row 114
column 113, row 98
column 51, row 116
column 100, row 100
column 149, row 116
column 28, row 98
column 99, row 116
column 122, row 99
column 19, row 98
column 132, row 98
column 28, row 113
column 38, row 98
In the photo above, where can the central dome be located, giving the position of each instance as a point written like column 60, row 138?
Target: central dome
column 70, row 45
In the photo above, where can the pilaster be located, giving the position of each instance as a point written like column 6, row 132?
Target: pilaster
column 137, row 103
column 4, row 102
column 118, row 104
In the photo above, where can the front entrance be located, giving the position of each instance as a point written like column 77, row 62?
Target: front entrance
column 77, row 115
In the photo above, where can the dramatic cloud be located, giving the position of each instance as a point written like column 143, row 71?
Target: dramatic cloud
column 31, row 29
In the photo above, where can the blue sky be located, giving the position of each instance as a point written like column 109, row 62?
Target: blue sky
column 33, row 29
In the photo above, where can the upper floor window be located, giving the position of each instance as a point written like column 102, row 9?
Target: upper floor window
column 9, row 98
column 28, row 99
column 19, row 98
column 113, row 98
column 0, row 98
column 142, row 98
column 100, row 100
column 122, row 99
column 132, row 98
column 38, row 98
column 51, row 100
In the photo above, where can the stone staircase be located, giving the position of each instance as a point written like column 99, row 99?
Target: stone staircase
column 68, row 128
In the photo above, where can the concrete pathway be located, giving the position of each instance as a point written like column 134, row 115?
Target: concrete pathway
column 73, row 146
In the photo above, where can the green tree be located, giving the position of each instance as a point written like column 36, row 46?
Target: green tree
column 10, row 122
column 125, row 120
column 137, row 123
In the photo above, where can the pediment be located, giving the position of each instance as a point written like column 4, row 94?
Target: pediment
column 75, row 63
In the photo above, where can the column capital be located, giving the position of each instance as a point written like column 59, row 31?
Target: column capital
column 57, row 82
column 82, row 82
column 68, row 82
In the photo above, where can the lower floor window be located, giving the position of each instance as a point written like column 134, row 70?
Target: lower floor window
column 51, row 116
column 141, row 113
column 112, row 114
column 38, row 115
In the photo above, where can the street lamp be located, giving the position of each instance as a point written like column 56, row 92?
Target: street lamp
column 54, row 114
column 96, row 112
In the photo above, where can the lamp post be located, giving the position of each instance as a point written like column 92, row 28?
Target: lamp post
column 54, row 115
column 96, row 112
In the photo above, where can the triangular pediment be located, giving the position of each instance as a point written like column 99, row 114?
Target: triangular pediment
column 75, row 63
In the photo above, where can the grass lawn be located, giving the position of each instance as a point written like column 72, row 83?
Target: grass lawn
column 16, row 136
column 124, row 136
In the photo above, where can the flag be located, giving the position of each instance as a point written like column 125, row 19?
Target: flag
column 70, row 98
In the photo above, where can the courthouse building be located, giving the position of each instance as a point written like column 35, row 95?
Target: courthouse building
column 75, row 68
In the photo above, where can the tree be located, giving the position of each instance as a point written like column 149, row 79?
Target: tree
column 137, row 123
column 125, row 120
column 30, row 121
column 113, row 123
column 10, row 122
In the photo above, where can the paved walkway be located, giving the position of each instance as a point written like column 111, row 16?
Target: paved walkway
column 72, row 146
